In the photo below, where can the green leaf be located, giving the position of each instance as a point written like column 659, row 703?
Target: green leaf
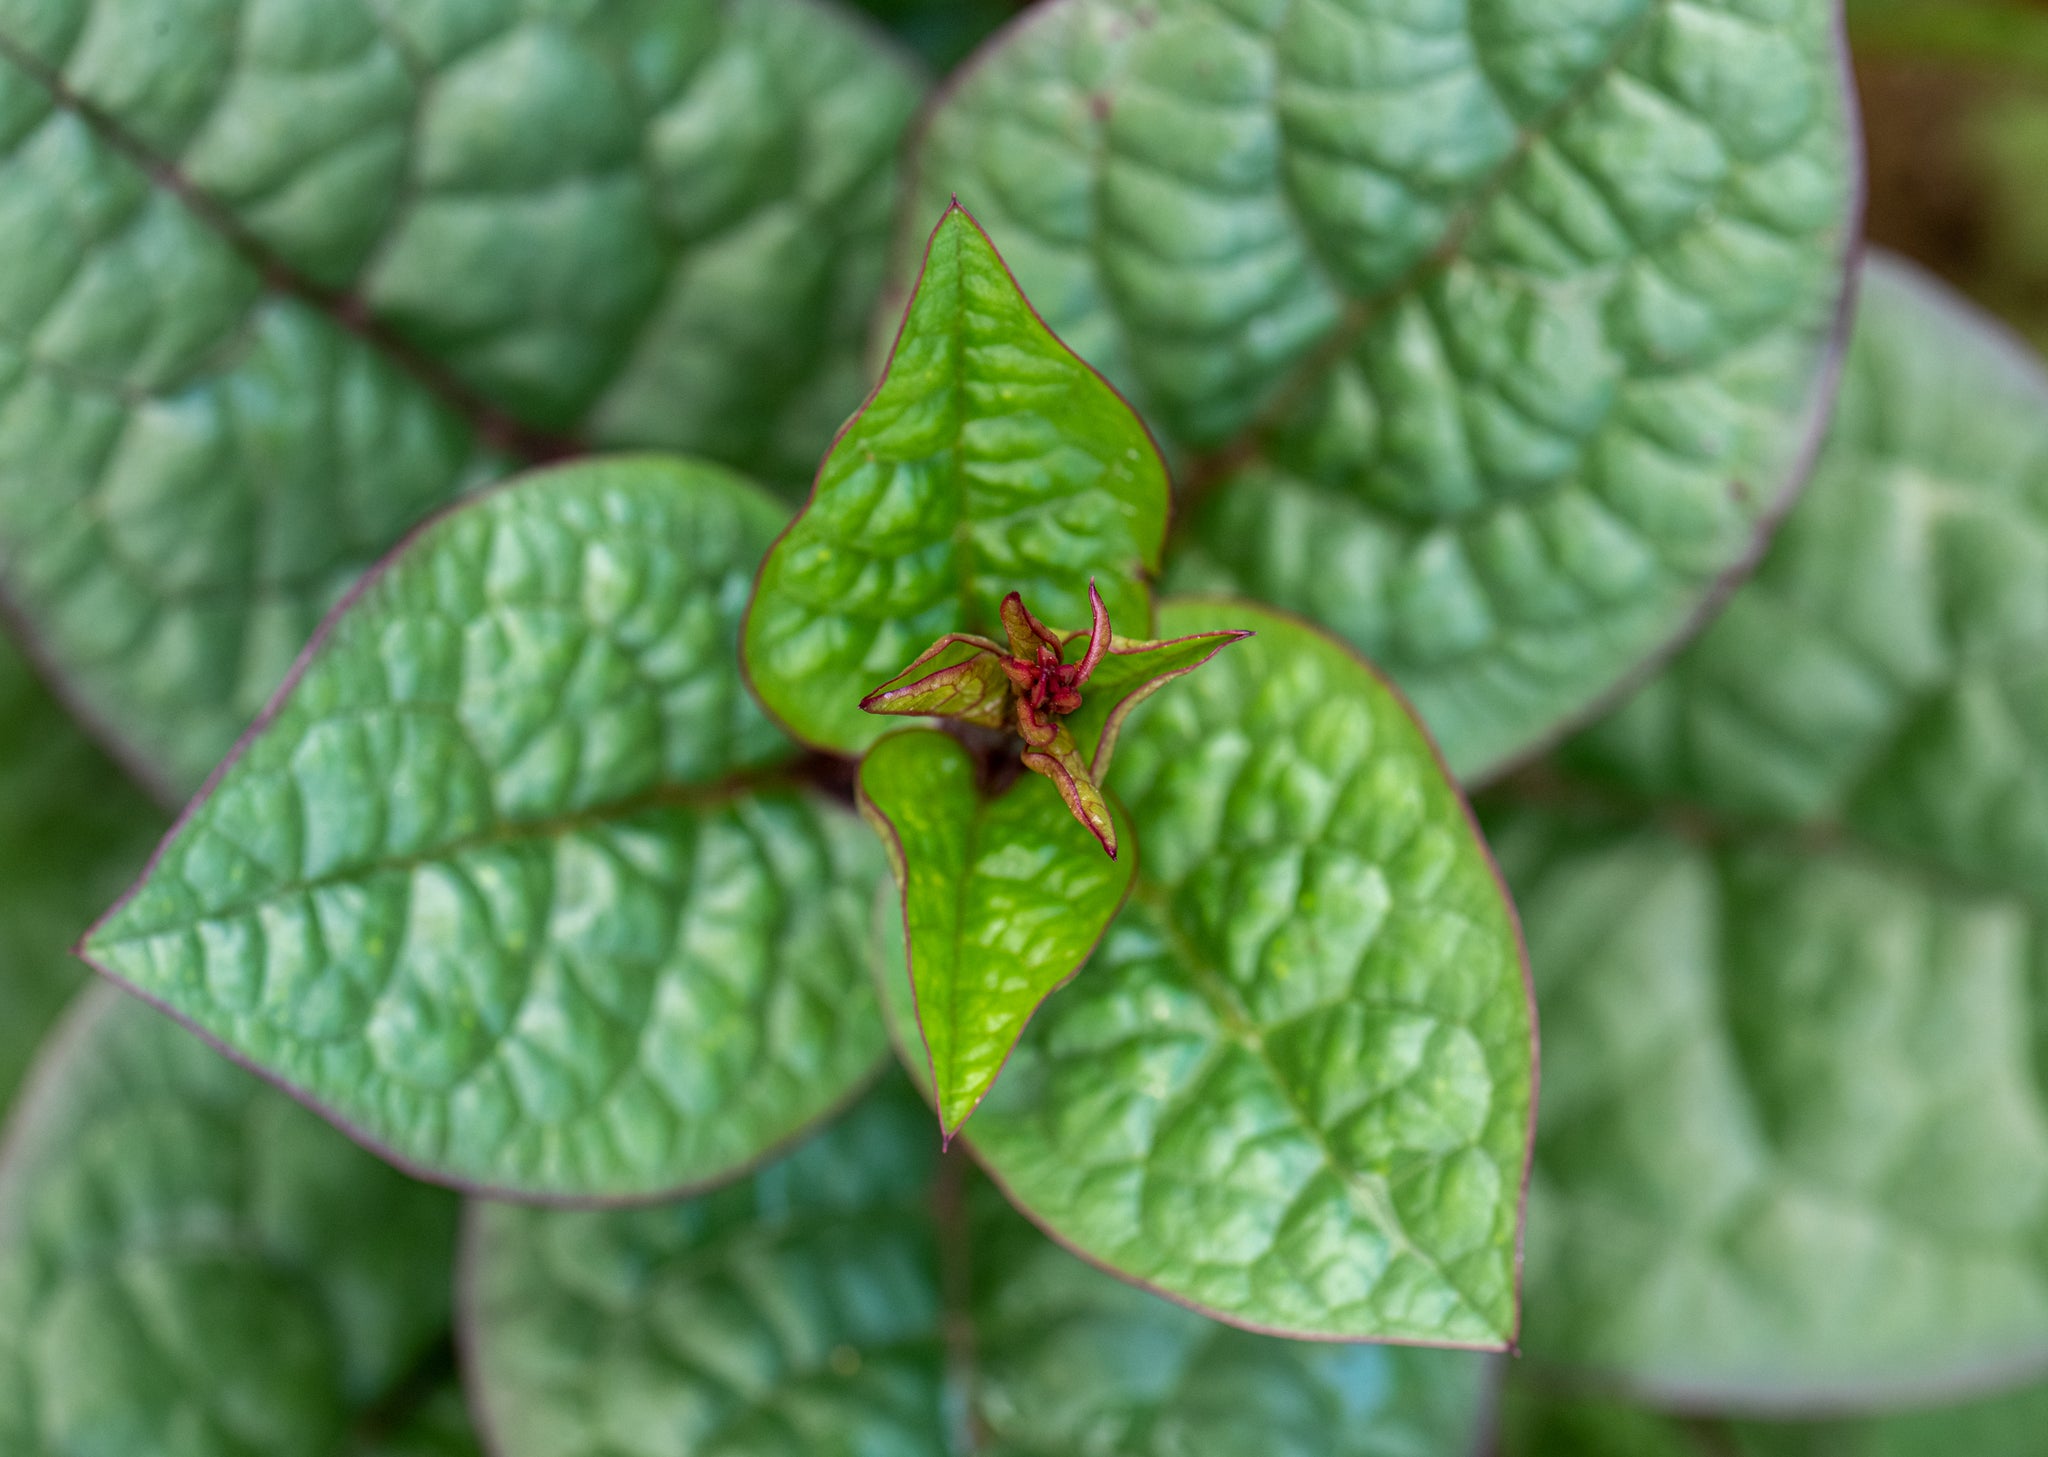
column 72, row 832
column 1003, row 900
column 1788, row 921
column 989, row 460
column 191, row 1265
column 283, row 278
column 508, row 881
column 1127, row 674
column 1293, row 1086
column 1493, row 336
column 806, row 1311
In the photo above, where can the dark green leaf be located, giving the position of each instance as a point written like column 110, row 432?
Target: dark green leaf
column 1788, row 921
column 989, row 460
column 190, row 1265
column 504, row 881
column 1003, row 900
column 805, row 1312
column 438, row 1427
column 1494, row 335
column 275, row 269
column 1293, row 1086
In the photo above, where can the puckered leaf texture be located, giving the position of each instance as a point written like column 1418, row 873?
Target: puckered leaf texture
column 1293, row 1086
column 283, row 276
column 1492, row 335
column 833, row 1305
column 989, row 460
column 191, row 1265
column 1789, row 917
column 510, row 880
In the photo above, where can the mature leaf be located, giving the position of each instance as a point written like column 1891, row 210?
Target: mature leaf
column 989, row 460
column 191, row 1266
column 1293, row 1087
column 483, row 884
column 72, row 832
column 1499, row 331
column 274, row 269
column 1788, row 918
column 1002, row 901
column 805, row 1312
column 1543, row 1424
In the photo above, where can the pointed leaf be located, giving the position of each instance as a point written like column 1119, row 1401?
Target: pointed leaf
column 959, row 677
column 806, row 1311
column 1500, row 333
column 282, row 279
column 1061, row 762
column 190, row 1263
column 1128, row 673
column 1787, row 912
column 1002, row 901
column 1293, row 1088
column 988, row 461
column 503, row 882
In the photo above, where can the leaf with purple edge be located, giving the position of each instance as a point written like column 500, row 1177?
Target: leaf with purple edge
column 1003, row 899
column 1126, row 674
column 989, row 461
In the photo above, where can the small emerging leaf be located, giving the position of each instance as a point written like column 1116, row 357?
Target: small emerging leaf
column 1002, row 902
column 989, row 461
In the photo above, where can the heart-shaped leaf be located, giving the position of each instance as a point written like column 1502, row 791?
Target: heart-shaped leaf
column 72, row 832
column 506, row 881
column 282, row 278
column 989, row 460
column 1003, row 899
column 832, row 1303
column 1495, row 335
column 1293, row 1088
column 1788, row 918
column 191, row 1264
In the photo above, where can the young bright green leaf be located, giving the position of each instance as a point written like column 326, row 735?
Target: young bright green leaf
column 989, row 460
column 72, row 832
column 190, row 1264
column 1789, row 914
column 1002, row 901
column 504, row 883
column 1497, row 333
column 283, row 277
column 807, row 1311
column 1311, row 1025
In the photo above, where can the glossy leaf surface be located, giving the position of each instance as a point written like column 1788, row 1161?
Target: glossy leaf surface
column 1495, row 334
column 1787, row 917
column 1002, row 902
column 804, row 1312
column 1293, row 1086
column 72, row 832
column 283, row 277
column 505, row 882
column 989, row 460
column 193, row 1266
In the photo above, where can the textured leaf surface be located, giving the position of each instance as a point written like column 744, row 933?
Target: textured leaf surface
column 191, row 1265
column 1787, row 917
column 1497, row 330
column 1293, row 1086
column 1003, row 900
column 989, row 460
column 802, row 1312
column 274, row 268
column 72, row 831
column 484, row 885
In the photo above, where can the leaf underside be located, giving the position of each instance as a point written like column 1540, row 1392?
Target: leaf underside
column 282, row 278
column 989, row 460
column 1788, row 921
column 1311, row 1024
column 706, row 1320
column 1002, row 900
column 190, row 1263
column 1493, row 336
column 505, row 883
